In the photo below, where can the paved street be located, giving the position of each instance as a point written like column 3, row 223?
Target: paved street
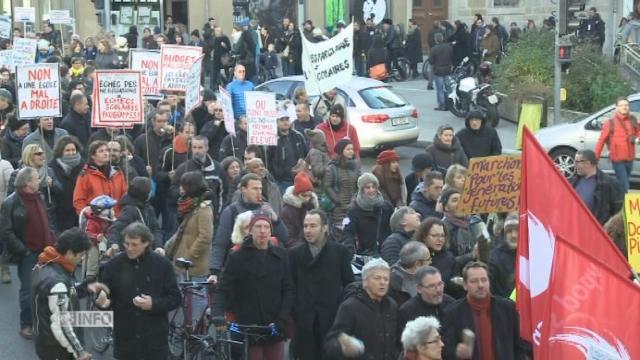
column 14, row 347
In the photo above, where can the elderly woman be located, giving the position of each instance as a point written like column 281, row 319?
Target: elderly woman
column 403, row 284
column 421, row 339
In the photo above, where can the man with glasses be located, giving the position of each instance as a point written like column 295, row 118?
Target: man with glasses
column 493, row 319
column 214, row 129
column 599, row 191
column 403, row 284
column 430, row 299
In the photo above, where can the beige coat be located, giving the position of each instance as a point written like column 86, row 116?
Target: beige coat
column 195, row 243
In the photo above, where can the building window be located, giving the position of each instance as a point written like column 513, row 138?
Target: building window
column 506, row 3
column 417, row 3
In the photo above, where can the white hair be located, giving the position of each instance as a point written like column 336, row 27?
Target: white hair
column 374, row 264
column 416, row 331
column 239, row 227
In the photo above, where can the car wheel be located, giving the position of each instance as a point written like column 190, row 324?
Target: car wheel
column 564, row 158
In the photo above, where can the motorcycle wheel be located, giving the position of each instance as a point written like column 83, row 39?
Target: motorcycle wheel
column 493, row 117
column 459, row 109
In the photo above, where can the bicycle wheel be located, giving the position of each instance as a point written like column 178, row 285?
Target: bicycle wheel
column 400, row 73
column 100, row 338
column 176, row 333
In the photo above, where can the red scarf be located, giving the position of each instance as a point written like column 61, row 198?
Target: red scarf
column 185, row 205
column 481, row 310
column 50, row 254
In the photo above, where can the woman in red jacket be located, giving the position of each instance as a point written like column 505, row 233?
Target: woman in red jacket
column 337, row 128
column 621, row 134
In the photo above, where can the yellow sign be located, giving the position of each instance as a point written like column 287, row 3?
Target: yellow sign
column 563, row 94
column 632, row 228
column 492, row 185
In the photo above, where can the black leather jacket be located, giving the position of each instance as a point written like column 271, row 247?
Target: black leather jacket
column 13, row 216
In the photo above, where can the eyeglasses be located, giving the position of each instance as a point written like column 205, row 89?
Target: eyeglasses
column 435, row 340
column 39, row 153
column 433, row 286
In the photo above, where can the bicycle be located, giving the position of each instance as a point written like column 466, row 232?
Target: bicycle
column 100, row 338
column 400, row 71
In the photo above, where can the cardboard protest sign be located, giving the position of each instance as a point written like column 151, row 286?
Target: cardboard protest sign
column 227, row 106
column 193, row 96
column 117, row 99
column 175, row 63
column 261, row 118
column 6, row 60
column 329, row 63
column 24, row 51
column 148, row 63
column 632, row 228
column 38, row 91
column 492, row 185
column 59, row 17
column 5, row 27
column 24, row 14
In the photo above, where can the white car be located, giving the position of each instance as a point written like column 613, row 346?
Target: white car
column 382, row 118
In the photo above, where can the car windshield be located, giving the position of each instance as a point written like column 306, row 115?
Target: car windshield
column 382, row 97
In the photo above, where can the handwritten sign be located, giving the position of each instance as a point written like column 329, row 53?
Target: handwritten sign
column 261, row 118
column 227, row 109
column 24, row 51
column 175, row 63
column 6, row 60
column 148, row 63
column 632, row 228
column 59, row 17
column 24, row 14
column 5, row 27
column 117, row 99
column 38, row 90
column 193, row 97
column 492, row 185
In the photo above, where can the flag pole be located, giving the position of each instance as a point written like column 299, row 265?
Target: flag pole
column 46, row 165
column 126, row 159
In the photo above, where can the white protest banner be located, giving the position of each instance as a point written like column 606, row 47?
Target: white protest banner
column 261, row 118
column 24, row 51
column 118, row 99
column 6, row 60
column 329, row 63
column 38, row 91
column 227, row 109
column 148, row 63
column 175, row 63
column 59, row 17
column 24, row 14
column 5, row 27
column 193, row 96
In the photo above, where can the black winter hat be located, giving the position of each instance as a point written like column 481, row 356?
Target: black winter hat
column 446, row 194
column 337, row 109
column 475, row 114
column 422, row 161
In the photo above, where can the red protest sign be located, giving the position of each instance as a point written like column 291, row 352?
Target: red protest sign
column 117, row 99
column 175, row 63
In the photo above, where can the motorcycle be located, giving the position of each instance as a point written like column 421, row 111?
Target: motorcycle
column 467, row 92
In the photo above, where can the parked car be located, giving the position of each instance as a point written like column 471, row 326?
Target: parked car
column 381, row 116
column 564, row 140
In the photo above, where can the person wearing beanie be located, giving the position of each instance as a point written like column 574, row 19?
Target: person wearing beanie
column 298, row 200
column 336, row 127
column 421, row 164
column 290, row 150
column 502, row 259
column 317, row 158
column 477, row 138
column 367, row 219
column 461, row 240
column 387, row 170
column 340, row 182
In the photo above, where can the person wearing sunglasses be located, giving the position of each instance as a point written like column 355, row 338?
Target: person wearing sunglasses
column 33, row 156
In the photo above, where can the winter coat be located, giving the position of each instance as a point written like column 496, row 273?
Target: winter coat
column 333, row 136
column 502, row 266
column 461, row 46
column 441, row 59
column 134, row 210
column 92, row 182
column 285, row 155
column 236, row 89
column 411, row 182
column 62, row 194
column 154, row 143
column 375, row 324
column 215, row 134
column 618, row 138
column 35, row 138
column 5, row 173
column 478, row 143
column 390, row 249
column 365, row 230
column 461, row 241
column 340, row 185
column 13, row 217
column 12, row 149
column 219, row 49
column 257, row 287
column 150, row 274
column 107, row 60
column 270, row 193
column 607, row 198
column 233, row 145
column 222, row 240
column 318, row 162
column 445, row 155
column 425, row 207
column 416, row 307
column 413, row 46
column 491, row 44
column 293, row 213
column 77, row 125
column 402, row 285
column 319, row 283
column 449, row 268
column 194, row 244
column 505, row 323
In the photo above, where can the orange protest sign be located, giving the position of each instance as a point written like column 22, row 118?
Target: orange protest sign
column 492, row 185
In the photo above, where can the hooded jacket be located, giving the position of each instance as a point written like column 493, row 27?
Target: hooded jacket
column 617, row 134
column 293, row 213
column 92, row 182
column 478, row 143
column 346, row 130
column 447, row 155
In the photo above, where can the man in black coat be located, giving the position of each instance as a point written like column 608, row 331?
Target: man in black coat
column 201, row 113
column 502, row 260
column 599, row 191
column 291, row 148
column 214, row 129
column 78, row 121
column 477, row 138
column 441, row 60
column 320, row 269
column 482, row 313
column 430, row 300
column 404, row 222
column 368, row 316
column 143, row 291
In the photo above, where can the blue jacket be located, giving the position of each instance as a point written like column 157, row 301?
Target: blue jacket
column 237, row 88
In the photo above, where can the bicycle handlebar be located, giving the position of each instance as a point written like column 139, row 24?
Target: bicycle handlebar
column 244, row 329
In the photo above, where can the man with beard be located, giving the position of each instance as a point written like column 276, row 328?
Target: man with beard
column 430, row 299
column 46, row 135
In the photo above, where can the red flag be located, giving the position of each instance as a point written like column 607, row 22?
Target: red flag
column 550, row 207
column 583, row 320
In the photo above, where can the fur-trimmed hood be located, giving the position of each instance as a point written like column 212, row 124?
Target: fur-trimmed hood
column 293, row 200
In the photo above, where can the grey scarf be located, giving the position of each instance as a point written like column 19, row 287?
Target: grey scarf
column 366, row 203
column 69, row 162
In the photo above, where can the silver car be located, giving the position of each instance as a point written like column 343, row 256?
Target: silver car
column 563, row 140
column 381, row 116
